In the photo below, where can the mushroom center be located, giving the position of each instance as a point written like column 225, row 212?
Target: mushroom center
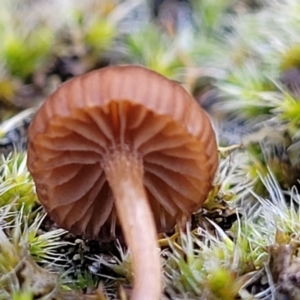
column 122, row 157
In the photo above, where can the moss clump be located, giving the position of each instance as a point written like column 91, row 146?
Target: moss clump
column 16, row 186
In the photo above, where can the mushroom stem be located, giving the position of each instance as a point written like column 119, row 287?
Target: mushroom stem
column 124, row 172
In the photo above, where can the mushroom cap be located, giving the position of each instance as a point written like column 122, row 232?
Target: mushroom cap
column 120, row 108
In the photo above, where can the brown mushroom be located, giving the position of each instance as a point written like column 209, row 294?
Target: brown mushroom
column 123, row 147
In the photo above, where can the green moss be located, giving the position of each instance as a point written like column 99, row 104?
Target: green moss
column 22, row 296
column 7, row 90
column 291, row 58
column 289, row 111
column 154, row 50
column 25, row 54
column 222, row 284
column 16, row 185
column 100, row 35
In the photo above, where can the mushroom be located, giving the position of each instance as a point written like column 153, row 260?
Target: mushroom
column 123, row 148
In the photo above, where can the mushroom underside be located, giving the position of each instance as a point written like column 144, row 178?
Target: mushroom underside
column 76, row 149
